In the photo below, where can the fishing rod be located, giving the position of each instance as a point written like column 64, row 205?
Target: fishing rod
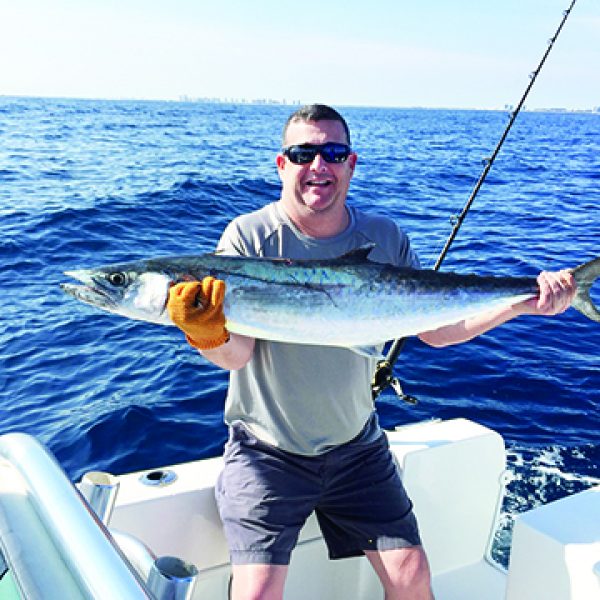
column 384, row 377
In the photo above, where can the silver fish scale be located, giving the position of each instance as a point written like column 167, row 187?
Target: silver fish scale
column 345, row 302
column 366, row 304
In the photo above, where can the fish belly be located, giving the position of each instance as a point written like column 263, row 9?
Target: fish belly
column 347, row 316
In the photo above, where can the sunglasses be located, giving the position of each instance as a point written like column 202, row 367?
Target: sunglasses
column 303, row 154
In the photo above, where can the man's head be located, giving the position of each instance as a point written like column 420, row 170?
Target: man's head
column 316, row 113
column 316, row 165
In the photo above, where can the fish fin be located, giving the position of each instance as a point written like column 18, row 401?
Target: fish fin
column 360, row 253
column 585, row 276
column 367, row 351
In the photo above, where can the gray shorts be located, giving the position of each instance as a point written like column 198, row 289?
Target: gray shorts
column 265, row 496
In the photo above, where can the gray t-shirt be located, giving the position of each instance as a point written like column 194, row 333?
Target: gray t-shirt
column 306, row 399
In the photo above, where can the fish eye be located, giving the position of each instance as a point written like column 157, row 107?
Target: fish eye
column 117, row 278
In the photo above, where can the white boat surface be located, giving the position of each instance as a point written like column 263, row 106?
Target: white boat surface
column 455, row 472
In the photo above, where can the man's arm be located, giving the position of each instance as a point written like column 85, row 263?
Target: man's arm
column 233, row 354
column 557, row 290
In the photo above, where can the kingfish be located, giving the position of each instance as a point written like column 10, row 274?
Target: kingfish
column 349, row 301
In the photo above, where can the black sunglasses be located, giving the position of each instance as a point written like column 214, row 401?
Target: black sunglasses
column 303, row 154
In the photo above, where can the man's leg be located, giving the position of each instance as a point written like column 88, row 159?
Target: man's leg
column 258, row 582
column 264, row 496
column 404, row 573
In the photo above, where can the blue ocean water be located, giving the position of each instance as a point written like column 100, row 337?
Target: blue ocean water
column 85, row 183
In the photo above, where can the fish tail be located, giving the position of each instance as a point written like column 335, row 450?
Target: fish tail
column 585, row 276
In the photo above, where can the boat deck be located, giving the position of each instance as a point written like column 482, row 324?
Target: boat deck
column 453, row 470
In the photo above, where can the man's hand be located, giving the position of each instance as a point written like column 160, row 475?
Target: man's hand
column 196, row 307
column 557, row 290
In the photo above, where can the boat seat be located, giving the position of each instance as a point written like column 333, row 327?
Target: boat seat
column 453, row 471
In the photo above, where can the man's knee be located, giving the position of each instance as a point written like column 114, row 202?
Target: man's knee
column 258, row 582
column 404, row 573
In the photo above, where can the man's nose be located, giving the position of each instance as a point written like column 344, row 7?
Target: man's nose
column 318, row 163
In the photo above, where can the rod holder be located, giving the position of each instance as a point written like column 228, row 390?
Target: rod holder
column 100, row 490
column 171, row 578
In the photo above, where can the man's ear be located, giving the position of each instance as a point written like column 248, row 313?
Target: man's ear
column 280, row 162
column 352, row 160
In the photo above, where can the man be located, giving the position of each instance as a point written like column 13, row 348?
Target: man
column 303, row 432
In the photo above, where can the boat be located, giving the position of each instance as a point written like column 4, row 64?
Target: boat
column 156, row 534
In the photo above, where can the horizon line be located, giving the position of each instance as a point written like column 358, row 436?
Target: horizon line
column 186, row 99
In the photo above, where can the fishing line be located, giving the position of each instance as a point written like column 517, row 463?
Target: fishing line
column 383, row 377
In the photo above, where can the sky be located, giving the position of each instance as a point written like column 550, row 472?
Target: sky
column 429, row 53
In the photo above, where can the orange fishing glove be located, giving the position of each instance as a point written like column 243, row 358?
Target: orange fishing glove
column 196, row 307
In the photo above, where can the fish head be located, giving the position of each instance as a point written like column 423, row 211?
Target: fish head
column 125, row 290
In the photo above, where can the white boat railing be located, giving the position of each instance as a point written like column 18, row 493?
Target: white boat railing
column 53, row 543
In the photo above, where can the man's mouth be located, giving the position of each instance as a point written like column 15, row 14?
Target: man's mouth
column 318, row 184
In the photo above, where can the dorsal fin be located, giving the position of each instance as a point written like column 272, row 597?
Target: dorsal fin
column 358, row 254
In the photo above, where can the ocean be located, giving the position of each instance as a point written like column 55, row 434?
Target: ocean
column 85, row 183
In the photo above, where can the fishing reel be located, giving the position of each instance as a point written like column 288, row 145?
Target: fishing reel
column 384, row 378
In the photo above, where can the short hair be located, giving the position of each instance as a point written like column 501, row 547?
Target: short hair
column 317, row 112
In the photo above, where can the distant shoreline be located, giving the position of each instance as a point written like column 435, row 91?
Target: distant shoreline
column 184, row 99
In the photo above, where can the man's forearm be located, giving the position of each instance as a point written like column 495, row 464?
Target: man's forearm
column 557, row 290
column 232, row 355
column 470, row 328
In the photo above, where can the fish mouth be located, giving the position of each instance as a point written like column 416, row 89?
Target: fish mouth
column 90, row 292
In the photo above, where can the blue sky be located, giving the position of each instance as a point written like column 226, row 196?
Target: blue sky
column 462, row 53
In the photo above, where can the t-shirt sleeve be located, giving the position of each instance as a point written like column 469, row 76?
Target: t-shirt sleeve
column 232, row 242
column 406, row 254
